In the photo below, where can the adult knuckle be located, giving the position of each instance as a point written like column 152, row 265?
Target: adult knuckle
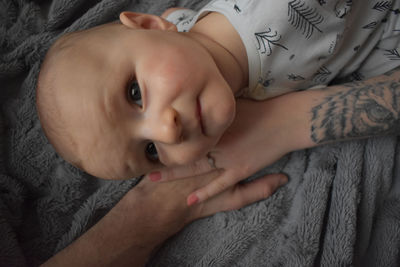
column 207, row 195
column 221, row 185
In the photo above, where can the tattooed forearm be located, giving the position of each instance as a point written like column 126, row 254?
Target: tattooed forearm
column 394, row 73
column 361, row 109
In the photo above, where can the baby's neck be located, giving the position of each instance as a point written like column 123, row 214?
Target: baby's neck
column 219, row 37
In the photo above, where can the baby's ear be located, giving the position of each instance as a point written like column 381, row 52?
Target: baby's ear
column 145, row 21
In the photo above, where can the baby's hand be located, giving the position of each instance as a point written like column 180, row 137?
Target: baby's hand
column 251, row 143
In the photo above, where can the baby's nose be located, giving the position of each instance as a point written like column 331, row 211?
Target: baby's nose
column 169, row 128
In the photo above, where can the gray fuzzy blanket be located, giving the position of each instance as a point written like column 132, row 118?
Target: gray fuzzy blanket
column 340, row 208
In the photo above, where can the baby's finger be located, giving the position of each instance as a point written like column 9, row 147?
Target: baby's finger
column 201, row 166
column 221, row 183
column 244, row 194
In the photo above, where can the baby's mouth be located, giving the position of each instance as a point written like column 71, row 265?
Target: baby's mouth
column 200, row 117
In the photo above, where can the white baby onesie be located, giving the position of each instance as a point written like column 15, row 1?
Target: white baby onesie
column 297, row 44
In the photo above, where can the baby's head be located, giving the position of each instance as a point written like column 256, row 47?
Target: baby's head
column 125, row 98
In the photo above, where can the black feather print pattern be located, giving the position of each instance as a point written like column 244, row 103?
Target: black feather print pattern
column 304, row 18
column 392, row 54
column 182, row 18
column 265, row 82
column 371, row 25
column 294, row 77
column 322, row 74
column 333, row 45
column 383, row 5
column 342, row 9
column 266, row 40
column 237, row 8
column 386, row 6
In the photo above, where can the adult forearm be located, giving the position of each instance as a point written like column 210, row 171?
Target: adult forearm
column 119, row 239
column 264, row 131
column 341, row 112
column 358, row 109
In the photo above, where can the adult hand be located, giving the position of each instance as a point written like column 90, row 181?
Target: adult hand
column 149, row 214
column 257, row 137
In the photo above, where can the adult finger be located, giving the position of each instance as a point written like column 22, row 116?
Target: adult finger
column 201, row 166
column 242, row 195
column 218, row 185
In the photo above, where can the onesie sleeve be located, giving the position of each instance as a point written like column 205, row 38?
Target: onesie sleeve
column 182, row 18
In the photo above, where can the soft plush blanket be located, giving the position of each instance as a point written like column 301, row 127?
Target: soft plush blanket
column 340, row 208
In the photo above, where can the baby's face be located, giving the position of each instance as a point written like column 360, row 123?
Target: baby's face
column 134, row 99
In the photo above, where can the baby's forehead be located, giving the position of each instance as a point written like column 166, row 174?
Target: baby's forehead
column 81, row 53
column 79, row 67
column 91, row 45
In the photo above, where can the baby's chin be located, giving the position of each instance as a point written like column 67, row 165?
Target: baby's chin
column 204, row 150
column 187, row 155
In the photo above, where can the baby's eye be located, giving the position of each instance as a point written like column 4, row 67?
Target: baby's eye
column 134, row 93
column 151, row 152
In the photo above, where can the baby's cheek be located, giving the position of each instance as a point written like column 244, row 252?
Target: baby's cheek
column 226, row 107
column 189, row 152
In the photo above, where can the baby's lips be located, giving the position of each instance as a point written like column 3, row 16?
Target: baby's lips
column 200, row 118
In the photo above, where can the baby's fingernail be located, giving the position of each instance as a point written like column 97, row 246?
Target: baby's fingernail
column 192, row 199
column 155, row 176
column 283, row 180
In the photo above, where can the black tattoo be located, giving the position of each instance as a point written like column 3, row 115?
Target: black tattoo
column 361, row 111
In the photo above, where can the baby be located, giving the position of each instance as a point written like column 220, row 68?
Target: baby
column 126, row 98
